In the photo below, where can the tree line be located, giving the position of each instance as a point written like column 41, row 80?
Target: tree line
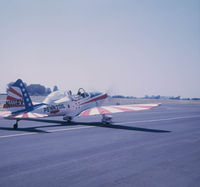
column 36, row 89
column 40, row 90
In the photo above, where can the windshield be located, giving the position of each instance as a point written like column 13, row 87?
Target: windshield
column 94, row 94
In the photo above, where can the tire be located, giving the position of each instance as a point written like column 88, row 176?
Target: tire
column 15, row 126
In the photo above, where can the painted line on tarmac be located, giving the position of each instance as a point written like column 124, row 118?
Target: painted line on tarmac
column 56, row 130
column 157, row 120
column 77, row 128
column 20, row 134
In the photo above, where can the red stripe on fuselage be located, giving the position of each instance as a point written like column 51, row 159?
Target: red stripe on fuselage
column 54, row 111
column 96, row 99
column 15, row 92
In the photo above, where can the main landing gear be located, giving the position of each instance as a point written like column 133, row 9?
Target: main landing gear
column 106, row 119
column 67, row 118
column 15, row 126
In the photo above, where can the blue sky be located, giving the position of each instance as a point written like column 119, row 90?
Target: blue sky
column 130, row 47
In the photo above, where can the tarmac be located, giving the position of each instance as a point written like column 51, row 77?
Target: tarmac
column 154, row 148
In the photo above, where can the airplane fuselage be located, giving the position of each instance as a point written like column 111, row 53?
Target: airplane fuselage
column 72, row 107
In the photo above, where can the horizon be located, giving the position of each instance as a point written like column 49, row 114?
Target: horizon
column 117, row 95
column 126, row 47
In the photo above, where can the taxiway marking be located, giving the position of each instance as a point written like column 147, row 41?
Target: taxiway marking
column 56, row 130
column 157, row 120
column 20, row 134
column 77, row 128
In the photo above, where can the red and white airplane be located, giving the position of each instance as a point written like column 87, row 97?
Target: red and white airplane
column 19, row 106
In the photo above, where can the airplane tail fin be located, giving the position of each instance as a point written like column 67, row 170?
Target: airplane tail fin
column 18, row 98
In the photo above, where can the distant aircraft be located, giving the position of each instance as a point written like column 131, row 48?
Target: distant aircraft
column 19, row 106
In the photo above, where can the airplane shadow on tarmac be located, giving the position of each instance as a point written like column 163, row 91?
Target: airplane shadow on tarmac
column 64, row 123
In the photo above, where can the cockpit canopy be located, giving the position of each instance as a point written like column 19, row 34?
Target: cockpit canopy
column 63, row 96
column 81, row 92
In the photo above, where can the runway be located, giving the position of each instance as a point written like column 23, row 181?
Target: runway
column 158, row 147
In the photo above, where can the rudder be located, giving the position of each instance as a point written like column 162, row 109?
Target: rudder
column 18, row 97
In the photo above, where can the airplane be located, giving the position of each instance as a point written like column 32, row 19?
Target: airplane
column 19, row 105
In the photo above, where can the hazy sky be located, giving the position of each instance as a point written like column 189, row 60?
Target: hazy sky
column 130, row 47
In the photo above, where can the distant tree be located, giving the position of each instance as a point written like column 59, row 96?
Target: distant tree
column 156, row 97
column 118, row 96
column 152, row 97
column 36, row 89
column 185, row 98
column 175, row 98
column 55, row 88
column 48, row 91
column 195, row 99
column 131, row 97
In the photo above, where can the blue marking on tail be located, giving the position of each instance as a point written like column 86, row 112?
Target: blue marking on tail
column 27, row 100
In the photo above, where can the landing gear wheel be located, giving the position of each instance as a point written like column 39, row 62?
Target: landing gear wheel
column 15, row 126
column 66, row 122
column 68, row 119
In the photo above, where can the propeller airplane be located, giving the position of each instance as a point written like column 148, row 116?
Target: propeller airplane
column 19, row 105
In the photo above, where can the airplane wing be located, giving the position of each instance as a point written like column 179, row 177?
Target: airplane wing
column 117, row 109
column 9, row 115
